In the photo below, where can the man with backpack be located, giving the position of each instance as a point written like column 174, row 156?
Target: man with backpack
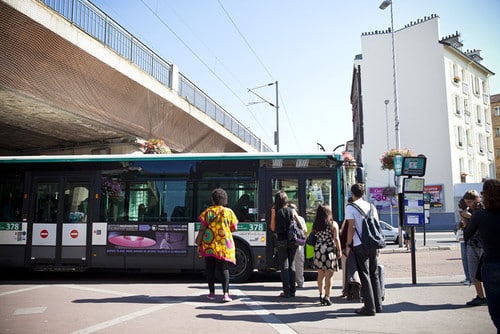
column 362, row 220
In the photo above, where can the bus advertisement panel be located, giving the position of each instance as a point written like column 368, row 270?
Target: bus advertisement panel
column 147, row 239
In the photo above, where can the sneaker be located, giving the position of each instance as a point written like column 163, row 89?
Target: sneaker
column 211, row 296
column 466, row 282
column 226, row 298
column 478, row 301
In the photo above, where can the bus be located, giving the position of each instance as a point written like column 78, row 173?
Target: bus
column 140, row 212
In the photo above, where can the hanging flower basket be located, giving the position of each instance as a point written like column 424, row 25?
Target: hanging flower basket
column 155, row 146
column 389, row 192
column 349, row 161
column 111, row 188
column 387, row 160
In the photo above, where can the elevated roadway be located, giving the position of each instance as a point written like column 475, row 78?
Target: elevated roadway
column 73, row 81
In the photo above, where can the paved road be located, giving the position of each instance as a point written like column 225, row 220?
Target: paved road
column 176, row 304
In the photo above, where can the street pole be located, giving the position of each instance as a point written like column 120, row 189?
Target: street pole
column 399, row 189
column 275, row 105
column 277, row 134
column 388, row 148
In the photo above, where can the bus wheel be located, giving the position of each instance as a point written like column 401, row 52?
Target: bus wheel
column 242, row 270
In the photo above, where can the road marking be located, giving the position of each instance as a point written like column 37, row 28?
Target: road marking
column 127, row 317
column 86, row 288
column 29, row 310
column 269, row 318
column 121, row 319
column 22, row 290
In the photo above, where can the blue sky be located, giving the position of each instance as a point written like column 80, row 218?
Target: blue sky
column 308, row 46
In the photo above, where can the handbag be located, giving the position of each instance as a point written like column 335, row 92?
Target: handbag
column 311, row 239
column 296, row 234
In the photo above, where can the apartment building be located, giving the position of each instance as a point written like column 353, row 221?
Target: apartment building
column 444, row 113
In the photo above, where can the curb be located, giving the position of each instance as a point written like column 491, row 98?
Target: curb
column 423, row 248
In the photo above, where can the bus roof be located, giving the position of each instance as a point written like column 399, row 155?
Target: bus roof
column 172, row 156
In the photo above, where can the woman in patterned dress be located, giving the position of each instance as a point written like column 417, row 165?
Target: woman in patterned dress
column 326, row 251
column 215, row 241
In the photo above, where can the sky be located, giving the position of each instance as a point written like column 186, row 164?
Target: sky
column 226, row 47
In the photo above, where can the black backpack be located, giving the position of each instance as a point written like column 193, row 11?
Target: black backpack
column 371, row 236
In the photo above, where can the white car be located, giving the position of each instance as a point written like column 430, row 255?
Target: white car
column 390, row 233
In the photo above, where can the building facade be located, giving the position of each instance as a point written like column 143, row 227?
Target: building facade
column 444, row 113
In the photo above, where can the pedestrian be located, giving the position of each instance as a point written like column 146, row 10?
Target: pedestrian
column 462, row 206
column 215, row 242
column 366, row 258
column 474, row 245
column 488, row 222
column 327, row 251
column 299, row 255
column 281, row 217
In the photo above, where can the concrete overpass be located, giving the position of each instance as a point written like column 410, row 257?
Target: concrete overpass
column 74, row 81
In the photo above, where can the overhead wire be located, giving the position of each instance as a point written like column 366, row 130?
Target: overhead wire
column 199, row 59
column 261, row 62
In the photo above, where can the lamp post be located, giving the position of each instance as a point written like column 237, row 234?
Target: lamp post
column 277, row 132
column 399, row 190
column 388, row 148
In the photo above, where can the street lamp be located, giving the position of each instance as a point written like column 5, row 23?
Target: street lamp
column 388, row 148
column 277, row 133
column 384, row 5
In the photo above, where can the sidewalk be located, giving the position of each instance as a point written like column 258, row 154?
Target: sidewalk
column 435, row 304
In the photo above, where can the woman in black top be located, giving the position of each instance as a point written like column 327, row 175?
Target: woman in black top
column 488, row 223
column 281, row 217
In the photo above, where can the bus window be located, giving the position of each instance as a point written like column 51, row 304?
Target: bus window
column 11, row 199
column 290, row 186
column 147, row 201
column 112, row 199
column 318, row 192
column 47, row 195
column 242, row 198
column 76, row 201
column 160, row 200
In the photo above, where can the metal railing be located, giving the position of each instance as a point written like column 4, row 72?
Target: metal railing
column 90, row 19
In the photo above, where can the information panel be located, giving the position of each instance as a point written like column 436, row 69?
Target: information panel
column 414, row 209
column 414, row 166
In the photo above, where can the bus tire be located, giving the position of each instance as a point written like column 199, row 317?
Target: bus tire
column 243, row 269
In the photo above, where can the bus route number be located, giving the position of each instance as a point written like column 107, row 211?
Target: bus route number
column 10, row 226
column 256, row 227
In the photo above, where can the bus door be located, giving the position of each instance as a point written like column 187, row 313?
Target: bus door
column 305, row 189
column 59, row 214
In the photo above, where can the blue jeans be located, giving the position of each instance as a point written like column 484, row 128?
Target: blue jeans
column 463, row 252
column 366, row 261
column 286, row 256
column 490, row 274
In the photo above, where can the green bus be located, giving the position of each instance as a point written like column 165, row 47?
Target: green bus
column 139, row 212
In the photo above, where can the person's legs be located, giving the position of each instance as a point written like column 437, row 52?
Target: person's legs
column 362, row 261
column 375, row 279
column 292, row 251
column 210, row 268
column 284, row 268
column 463, row 252
column 321, row 278
column 223, row 269
column 345, row 282
column 490, row 273
column 328, row 286
column 299, row 266
column 473, row 255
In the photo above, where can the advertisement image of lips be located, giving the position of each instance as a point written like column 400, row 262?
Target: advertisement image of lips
column 132, row 241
